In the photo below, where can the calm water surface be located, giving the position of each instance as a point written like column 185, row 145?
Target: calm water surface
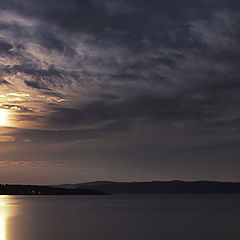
column 120, row 217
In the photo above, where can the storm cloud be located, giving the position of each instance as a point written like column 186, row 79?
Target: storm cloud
column 134, row 71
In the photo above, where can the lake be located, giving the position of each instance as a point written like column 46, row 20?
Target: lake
column 120, row 217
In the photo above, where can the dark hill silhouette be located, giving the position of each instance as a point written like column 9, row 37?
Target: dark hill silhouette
column 168, row 187
column 6, row 189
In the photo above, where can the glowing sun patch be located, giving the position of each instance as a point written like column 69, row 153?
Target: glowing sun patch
column 3, row 117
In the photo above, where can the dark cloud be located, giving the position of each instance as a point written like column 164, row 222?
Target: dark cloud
column 4, row 82
column 34, row 84
column 4, row 46
column 132, row 72
column 160, row 43
column 167, row 35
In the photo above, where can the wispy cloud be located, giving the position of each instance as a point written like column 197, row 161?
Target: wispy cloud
column 75, row 71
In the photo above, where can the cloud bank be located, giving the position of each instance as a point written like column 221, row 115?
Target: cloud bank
column 153, row 73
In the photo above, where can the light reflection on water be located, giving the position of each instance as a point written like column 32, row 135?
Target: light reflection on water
column 119, row 217
column 5, row 212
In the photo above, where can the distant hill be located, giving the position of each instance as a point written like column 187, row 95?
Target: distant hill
column 6, row 189
column 165, row 187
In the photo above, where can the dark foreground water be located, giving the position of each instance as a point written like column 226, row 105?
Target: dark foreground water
column 120, row 217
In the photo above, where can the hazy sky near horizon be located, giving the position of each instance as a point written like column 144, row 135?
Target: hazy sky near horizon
column 119, row 90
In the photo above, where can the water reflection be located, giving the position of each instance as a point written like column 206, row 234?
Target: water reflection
column 131, row 217
column 4, row 214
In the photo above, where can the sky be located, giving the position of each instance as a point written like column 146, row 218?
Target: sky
column 130, row 90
